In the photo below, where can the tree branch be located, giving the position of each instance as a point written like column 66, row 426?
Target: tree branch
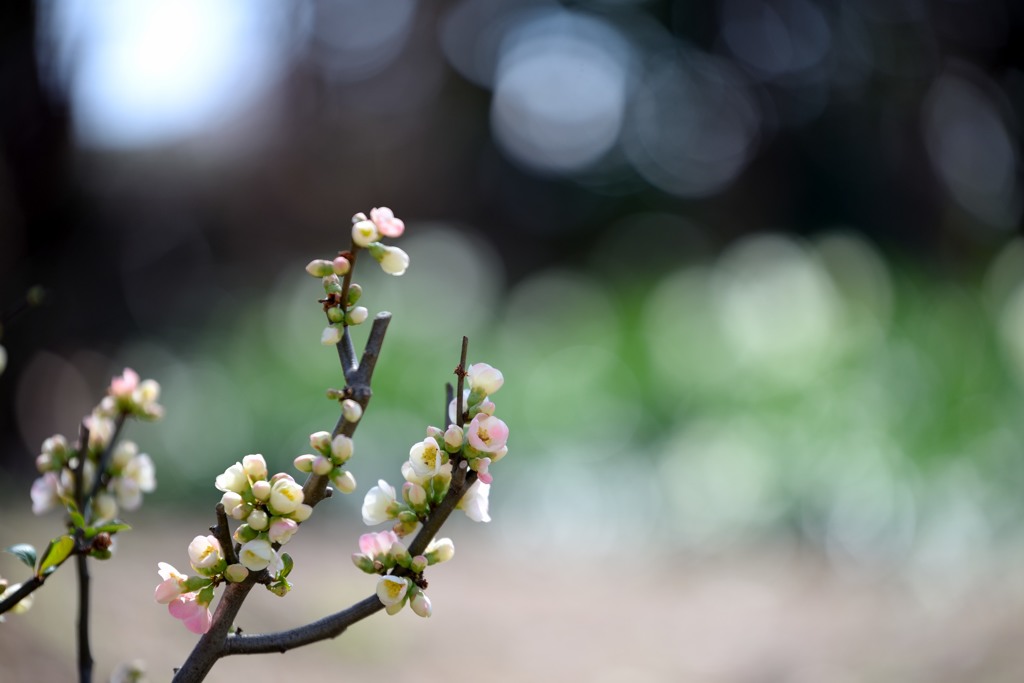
column 330, row 626
column 24, row 590
column 85, row 661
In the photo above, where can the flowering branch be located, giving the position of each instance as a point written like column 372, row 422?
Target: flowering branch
column 445, row 471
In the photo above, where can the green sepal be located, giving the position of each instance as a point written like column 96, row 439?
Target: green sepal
column 101, row 553
column 280, row 588
column 24, row 552
column 56, row 552
column 288, row 563
column 205, row 596
column 194, row 583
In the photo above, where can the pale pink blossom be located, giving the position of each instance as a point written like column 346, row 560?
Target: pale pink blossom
column 205, row 553
column 377, row 543
column 387, row 224
column 45, row 493
column 122, row 387
column 484, row 378
column 487, row 433
column 420, row 604
column 195, row 615
column 172, row 585
column 281, row 530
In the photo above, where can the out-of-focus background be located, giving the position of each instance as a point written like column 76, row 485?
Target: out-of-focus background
column 750, row 268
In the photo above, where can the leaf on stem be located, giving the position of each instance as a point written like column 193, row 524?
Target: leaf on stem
column 56, row 552
column 24, row 552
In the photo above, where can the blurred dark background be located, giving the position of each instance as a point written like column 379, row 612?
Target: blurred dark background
column 751, row 267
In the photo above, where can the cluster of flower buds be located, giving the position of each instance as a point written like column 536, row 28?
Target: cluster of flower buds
column 128, row 473
column 428, row 477
column 331, row 454
column 341, row 303
column 382, row 551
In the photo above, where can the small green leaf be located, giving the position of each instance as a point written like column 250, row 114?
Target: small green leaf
column 24, row 552
column 286, row 559
column 205, row 596
column 77, row 519
column 56, row 552
column 113, row 527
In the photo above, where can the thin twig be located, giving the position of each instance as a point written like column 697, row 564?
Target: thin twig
column 23, row 591
column 84, row 651
column 330, row 626
column 460, row 372
column 223, row 535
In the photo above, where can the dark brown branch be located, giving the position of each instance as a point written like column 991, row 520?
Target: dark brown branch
column 101, row 466
column 222, row 533
column 329, row 627
column 210, row 647
column 461, row 373
column 85, row 661
column 23, row 591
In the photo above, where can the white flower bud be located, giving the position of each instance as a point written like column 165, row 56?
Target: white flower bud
column 302, row 512
column 357, row 316
column 453, row 439
column 236, row 573
column 104, row 506
column 344, row 481
column 255, row 467
column 322, row 465
column 261, row 490
column 304, row 463
column 320, row 442
column 420, row 604
column 258, row 520
column 342, row 448
column 330, row 336
column 351, row 410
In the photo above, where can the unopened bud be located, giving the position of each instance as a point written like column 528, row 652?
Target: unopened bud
column 319, row 268
column 435, row 433
column 341, row 266
column 261, row 490
column 332, row 284
column 236, row 573
column 453, row 439
column 245, row 533
column 344, row 481
column 418, row 564
column 322, row 465
column 321, row 441
column 414, row 494
column 330, row 336
column 364, row 563
column 342, row 448
column 258, row 520
column 336, row 314
column 304, row 463
column 354, row 292
column 400, row 554
column 420, row 604
column 357, row 316
column 351, row 410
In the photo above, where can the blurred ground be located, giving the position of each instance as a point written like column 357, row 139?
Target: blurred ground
column 761, row 616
